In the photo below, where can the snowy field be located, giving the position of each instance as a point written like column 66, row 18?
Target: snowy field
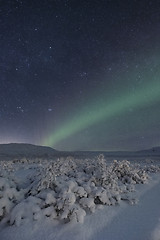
column 79, row 199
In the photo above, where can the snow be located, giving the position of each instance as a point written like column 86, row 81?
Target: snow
column 136, row 222
column 79, row 199
column 156, row 232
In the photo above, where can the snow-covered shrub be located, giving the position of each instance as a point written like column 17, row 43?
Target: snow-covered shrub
column 26, row 210
column 6, row 168
column 73, row 213
column 128, row 173
column 80, row 192
column 68, row 167
column 9, row 196
column 66, row 189
column 152, row 168
column 44, row 179
column 47, row 174
column 88, row 203
column 101, row 169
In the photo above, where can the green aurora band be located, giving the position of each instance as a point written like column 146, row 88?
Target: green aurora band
column 105, row 111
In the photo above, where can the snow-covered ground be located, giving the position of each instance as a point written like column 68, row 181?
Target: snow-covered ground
column 79, row 199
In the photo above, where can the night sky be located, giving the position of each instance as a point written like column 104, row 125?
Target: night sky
column 80, row 75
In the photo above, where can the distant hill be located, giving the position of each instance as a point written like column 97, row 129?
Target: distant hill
column 153, row 151
column 19, row 150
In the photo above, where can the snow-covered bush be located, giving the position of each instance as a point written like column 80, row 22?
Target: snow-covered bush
column 151, row 168
column 128, row 173
column 6, row 168
column 26, row 210
column 68, row 189
column 9, row 196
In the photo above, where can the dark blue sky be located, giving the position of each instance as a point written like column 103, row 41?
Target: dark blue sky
column 60, row 58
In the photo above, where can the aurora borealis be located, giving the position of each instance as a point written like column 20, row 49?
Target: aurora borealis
column 140, row 98
column 80, row 75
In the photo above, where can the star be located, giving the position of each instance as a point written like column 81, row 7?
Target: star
column 88, row 77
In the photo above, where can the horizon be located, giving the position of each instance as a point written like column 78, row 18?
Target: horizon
column 99, row 150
